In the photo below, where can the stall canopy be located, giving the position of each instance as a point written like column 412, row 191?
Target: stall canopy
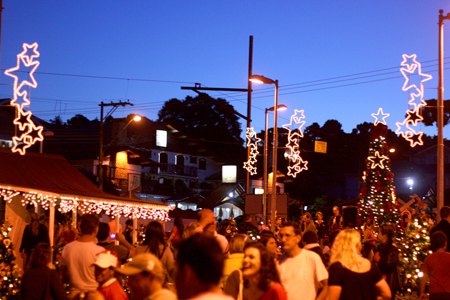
column 50, row 179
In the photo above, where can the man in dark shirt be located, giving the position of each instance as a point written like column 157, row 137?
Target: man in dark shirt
column 444, row 225
column 335, row 221
column 106, row 242
column 246, row 226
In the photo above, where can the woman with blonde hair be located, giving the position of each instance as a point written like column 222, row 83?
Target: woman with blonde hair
column 234, row 261
column 350, row 275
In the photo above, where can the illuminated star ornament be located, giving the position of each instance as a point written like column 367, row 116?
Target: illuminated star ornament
column 28, row 132
column 293, row 143
column 409, row 127
column 377, row 160
column 252, row 144
column 377, row 117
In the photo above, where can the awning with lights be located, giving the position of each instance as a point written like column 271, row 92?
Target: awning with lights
column 50, row 179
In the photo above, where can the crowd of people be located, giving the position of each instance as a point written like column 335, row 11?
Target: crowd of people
column 308, row 259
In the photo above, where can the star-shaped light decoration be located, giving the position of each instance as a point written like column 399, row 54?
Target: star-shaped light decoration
column 413, row 116
column 31, row 133
column 252, row 143
column 377, row 160
column 383, row 117
column 293, row 143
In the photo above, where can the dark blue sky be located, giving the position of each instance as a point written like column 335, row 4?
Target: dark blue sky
column 155, row 47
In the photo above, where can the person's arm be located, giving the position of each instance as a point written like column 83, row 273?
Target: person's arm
column 324, row 292
column 383, row 290
column 122, row 240
column 423, row 284
column 333, row 292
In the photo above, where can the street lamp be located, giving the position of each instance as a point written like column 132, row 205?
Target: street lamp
column 136, row 118
column 440, row 114
column 266, row 140
column 265, row 80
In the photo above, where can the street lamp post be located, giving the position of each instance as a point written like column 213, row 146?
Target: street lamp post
column 266, row 140
column 273, row 207
column 440, row 114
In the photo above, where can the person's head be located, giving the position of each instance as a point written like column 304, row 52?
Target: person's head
column 319, row 215
column 30, row 208
column 103, row 232
column 259, row 264
column 346, row 248
column 105, row 264
column 237, row 244
column 146, row 275
column 205, row 217
column 368, row 224
column 270, row 242
column 278, row 221
column 40, row 256
column 290, row 236
column 336, row 211
column 326, row 242
column 154, row 233
column 191, row 229
column 386, row 234
column 406, row 217
column 89, row 224
column 210, row 229
column 178, row 222
column 200, row 265
column 310, row 237
column 445, row 212
column 129, row 224
column 247, row 218
column 438, row 240
column 307, row 217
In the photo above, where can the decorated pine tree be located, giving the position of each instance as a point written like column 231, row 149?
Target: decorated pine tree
column 377, row 196
column 10, row 277
column 414, row 248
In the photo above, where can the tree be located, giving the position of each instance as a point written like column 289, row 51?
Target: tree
column 207, row 119
column 58, row 122
column 78, row 119
column 377, row 196
column 429, row 112
column 10, row 273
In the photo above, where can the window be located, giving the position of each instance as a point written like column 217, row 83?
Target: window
column 202, row 164
column 193, row 160
column 163, row 158
column 161, row 138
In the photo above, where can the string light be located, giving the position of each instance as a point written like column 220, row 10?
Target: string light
column 294, row 143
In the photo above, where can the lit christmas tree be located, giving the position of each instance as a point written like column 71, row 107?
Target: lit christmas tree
column 10, row 277
column 377, row 196
column 414, row 249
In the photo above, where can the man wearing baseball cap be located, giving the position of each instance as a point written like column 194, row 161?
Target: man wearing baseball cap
column 105, row 264
column 146, row 277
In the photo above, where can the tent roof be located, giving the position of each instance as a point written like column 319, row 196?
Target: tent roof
column 54, row 175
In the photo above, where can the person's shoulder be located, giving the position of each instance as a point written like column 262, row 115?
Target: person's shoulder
column 163, row 294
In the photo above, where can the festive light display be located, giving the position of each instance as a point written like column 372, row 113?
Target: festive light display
column 377, row 196
column 294, row 143
column 10, row 273
column 95, row 206
column 29, row 132
column 252, row 143
column 406, row 128
column 377, row 117
column 414, row 247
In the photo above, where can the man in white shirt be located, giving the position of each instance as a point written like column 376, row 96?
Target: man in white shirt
column 79, row 256
column 302, row 271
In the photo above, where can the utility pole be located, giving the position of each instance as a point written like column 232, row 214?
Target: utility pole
column 249, row 109
column 114, row 105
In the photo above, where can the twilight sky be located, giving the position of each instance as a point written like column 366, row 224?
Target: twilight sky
column 333, row 59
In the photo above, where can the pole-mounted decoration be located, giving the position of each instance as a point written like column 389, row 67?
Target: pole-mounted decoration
column 293, row 144
column 29, row 133
column 252, row 144
column 408, row 128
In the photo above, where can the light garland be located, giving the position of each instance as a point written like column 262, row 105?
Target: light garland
column 294, row 144
column 252, row 143
column 377, row 160
column 30, row 133
column 71, row 203
column 413, row 115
